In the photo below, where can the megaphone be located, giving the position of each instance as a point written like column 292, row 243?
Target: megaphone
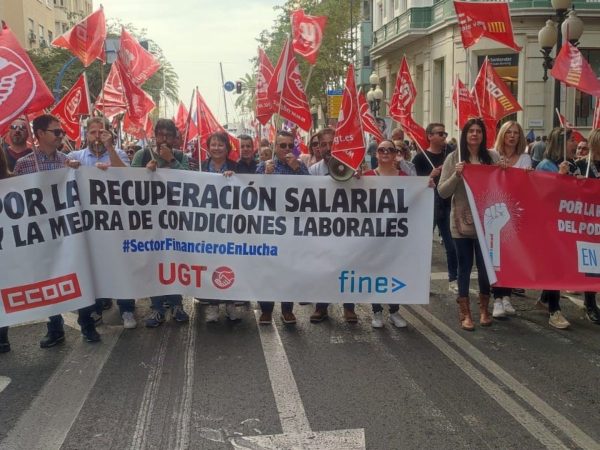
column 338, row 170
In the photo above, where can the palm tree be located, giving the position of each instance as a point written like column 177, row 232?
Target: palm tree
column 246, row 101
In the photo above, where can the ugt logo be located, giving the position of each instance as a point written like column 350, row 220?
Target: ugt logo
column 351, row 283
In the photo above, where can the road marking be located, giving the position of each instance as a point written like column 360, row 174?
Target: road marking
column 4, row 382
column 150, row 393
column 294, row 422
column 571, row 430
column 494, row 390
column 50, row 416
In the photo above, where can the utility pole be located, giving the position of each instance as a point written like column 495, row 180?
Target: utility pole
column 224, row 98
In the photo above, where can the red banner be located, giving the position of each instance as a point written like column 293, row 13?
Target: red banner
column 464, row 103
column 368, row 121
column 139, row 103
column 86, row 39
column 348, row 143
column 415, row 131
column 140, row 129
column 537, row 230
column 405, row 93
column 72, row 106
column 492, row 94
column 264, row 104
column 307, row 34
column 111, row 101
column 485, row 19
column 138, row 63
column 207, row 123
column 572, row 69
column 22, row 90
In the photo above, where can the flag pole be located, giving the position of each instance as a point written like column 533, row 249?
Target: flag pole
column 199, row 132
column 187, row 121
column 563, row 125
column 310, row 71
column 280, row 82
column 457, row 118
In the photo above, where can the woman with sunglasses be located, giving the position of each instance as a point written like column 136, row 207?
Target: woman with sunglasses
column 314, row 155
column 4, row 173
column 386, row 166
column 472, row 150
column 510, row 145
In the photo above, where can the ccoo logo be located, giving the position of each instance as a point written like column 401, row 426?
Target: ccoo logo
column 14, row 70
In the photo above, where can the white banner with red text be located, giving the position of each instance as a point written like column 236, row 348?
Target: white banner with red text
column 70, row 236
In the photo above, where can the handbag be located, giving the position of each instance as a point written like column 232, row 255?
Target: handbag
column 463, row 219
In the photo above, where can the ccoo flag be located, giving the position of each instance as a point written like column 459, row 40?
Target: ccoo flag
column 572, row 69
column 86, row 39
column 72, row 106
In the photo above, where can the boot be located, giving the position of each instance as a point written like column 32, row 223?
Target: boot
column 464, row 314
column 4, row 344
column 484, row 315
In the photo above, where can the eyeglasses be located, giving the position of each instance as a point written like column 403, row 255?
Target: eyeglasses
column 387, row 150
column 18, row 127
column 283, row 146
column 440, row 134
column 57, row 132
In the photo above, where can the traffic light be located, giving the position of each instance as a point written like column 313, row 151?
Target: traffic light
column 238, row 87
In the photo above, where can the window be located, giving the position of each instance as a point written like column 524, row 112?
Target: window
column 584, row 103
column 438, row 93
column 50, row 37
column 31, row 25
column 41, row 31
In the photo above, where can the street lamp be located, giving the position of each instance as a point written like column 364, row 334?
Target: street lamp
column 552, row 35
column 375, row 95
column 314, row 112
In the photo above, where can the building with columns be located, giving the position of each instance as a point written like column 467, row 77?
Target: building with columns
column 428, row 34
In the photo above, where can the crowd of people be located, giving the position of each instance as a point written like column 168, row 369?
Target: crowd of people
column 443, row 163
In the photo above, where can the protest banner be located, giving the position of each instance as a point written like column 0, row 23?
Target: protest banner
column 537, row 230
column 131, row 233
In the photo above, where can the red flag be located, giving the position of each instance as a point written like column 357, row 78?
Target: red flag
column 405, row 93
column 139, row 103
column 181, row 118
column 111, row 100
column 492, row 94
column 264, row 105
column 287, row 90
column 568, row 125
column 138, row 63
column 208, row 124
column 490, row 129
column 596, row 121
column 22, row 90
column 86, row 39
column 415, row 131
column 307, row 34
column 489, row 19
column 465, row 104
column 73, row 105
column 368, row 121
column 572, row 69
column 140, row 129
column 348, row 143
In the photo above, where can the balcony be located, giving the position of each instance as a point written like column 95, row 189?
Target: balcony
column 417, row 22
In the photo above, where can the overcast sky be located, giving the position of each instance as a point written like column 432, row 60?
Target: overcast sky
column 196, row 35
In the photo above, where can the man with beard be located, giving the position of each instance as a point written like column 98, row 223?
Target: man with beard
column 18, row 134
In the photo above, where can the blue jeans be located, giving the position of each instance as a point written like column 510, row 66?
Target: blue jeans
column 173, row 300
column 126, row 305
column 286, row 307
column 465, row 248
column 443, row 224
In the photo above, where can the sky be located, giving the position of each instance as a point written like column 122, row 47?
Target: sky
column 195, row 35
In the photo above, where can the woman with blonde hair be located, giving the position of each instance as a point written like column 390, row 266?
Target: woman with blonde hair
column 510, row 145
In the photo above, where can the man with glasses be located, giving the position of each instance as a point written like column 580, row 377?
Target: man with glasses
column 285, row 163
column 164, row 156
column 49, row 134
column 429, row 163
column 101, row 153
column 17, row 134
column 321, row 168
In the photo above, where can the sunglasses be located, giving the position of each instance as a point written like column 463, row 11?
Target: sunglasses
column 283, row 146
column 440, row 134
column 386, row 150
column 18, row 127
column 57, row 132
column 314, row 144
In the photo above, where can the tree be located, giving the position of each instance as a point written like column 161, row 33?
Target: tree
column 49, row 61
column 336, row 51
column 246, row 101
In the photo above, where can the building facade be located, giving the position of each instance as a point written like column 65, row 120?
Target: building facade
column 37, row 22
column 428, row 35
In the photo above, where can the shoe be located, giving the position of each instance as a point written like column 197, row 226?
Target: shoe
column 232, row 312
column 155, row 319
column 519, row 292
column 397, row 320
column 201, row 301
column 453, row 287
column 464, row 314
column 593, row 314
column 96, row 317
column 484, row 314
column 557, row 320
column 107, row 304
column 90, row 334
column 541, row 305
column 508, row 307
column 288, row 318
column 350, row 316
column 4, row 344
column 498, row 310
column 179, row 314
column 52, row 339
column 319, row 315
column 377, row 321
column 128, row 320
column 212, row 313
column 266, row 318
column 4, row 347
